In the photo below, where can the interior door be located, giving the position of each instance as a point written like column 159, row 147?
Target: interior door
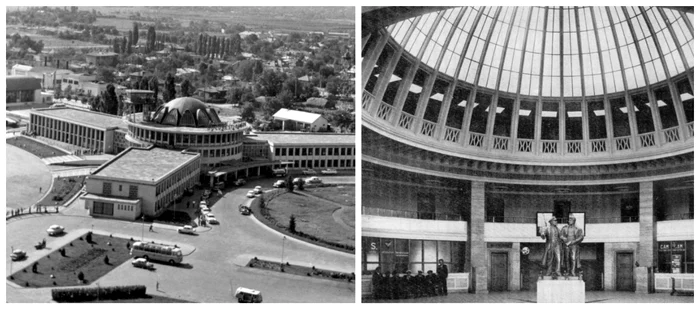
column 499, row 271
column 624, row 271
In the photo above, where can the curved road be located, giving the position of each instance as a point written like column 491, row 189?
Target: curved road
column 216, row 264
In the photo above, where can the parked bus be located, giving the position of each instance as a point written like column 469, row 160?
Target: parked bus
column 157, row 252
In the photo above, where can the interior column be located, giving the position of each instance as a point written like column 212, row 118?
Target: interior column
column 478, row 245
column 646, row 255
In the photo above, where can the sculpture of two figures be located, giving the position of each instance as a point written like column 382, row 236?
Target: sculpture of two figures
column 562, row 246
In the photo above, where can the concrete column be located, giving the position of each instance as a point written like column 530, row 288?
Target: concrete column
column 479, row 261
column 646, row 254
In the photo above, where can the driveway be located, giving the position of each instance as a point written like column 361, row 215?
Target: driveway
column 216, row 264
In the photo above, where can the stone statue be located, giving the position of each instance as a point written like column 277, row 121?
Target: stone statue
column 571, row 236
column 551, row 259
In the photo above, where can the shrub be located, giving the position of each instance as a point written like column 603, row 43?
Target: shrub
column 292, row 224
column 94, row 293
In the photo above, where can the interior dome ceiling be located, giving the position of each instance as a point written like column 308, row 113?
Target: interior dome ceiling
column 567, row 51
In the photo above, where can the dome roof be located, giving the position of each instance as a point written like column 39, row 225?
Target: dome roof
column 186, row 112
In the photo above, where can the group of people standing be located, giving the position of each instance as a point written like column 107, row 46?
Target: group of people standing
column 392, row 285
column 562, row 247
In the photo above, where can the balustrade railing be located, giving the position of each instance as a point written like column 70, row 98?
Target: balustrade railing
column 671, row 135
column 384, row 111
column 452, row 134
column 496, row 219
column 599, row 145
column 525, row 145
column 501, row 142
column 367, row 98
column 622, row 143
column 371, row 211
column 549, row 146
column 690, row 129
column 428, row 128
column 574, row 146
column 476, row 139
column 647, row 140
column 406, row 120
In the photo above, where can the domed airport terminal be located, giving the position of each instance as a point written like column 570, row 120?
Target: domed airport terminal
column 482, row 124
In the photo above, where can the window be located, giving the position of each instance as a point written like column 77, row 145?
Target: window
column 120, row 188
column 676, row 257
column 426, row 206
column 100, row 208
column 133, row 191
column 107, row 188
column 408, row 254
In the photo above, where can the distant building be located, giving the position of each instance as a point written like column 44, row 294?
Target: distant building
column 209, row 94
column 131, row 185
column 291, row 120
column 102, row 58
column 22, row 90
column 46, row 75
column 310, row 150
column 77, row 81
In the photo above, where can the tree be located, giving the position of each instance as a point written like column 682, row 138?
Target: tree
column 153, row 85
column 135, row 34
column 109, row 98
column 271, row 106
column 185, row 88
column 169, row 91
column 129, row 43
column 105, row 74
column 151, row 39
column 248, row 113
column 292, row 224
column 124, row 43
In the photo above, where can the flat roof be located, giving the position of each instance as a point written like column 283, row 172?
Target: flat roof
column 18, row 83
column 84, row 117
column 144, row 165
column 296, row 138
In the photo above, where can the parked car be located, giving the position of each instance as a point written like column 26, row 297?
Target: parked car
column 279, row 172
column 187, row 229
column 258, row 190
column 203, row 203
column 309, row 172
column 18, row 254
column 206, row 193
column 250, row 194
column 204, row 209
column 245, row 210
column 211, row 219
column 240, row 182
column 279, row 184
column 142, row 263
column 55, row 230
column 329, row 171
column 219, row 185
column 246, row 295
column 313, row 179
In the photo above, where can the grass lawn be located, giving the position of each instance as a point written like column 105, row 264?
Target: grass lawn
column 38, row 149
column 65, row 188
column 341, row 194
column 299, row 270
column 313, row 217
column 80, row 257
column 148, row 299
column 25, row 175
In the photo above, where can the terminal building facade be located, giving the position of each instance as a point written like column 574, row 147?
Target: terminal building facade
column 477, row 121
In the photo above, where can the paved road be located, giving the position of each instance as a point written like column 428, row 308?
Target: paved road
column 216, row 264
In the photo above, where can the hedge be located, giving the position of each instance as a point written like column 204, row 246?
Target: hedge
column 75, row 295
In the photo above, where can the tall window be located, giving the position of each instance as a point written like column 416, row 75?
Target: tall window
column 676, row 257
column 107, row 188
column 403, row 254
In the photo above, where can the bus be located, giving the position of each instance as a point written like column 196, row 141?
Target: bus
column 156, row 252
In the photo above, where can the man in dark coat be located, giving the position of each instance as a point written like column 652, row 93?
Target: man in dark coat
column 376, row 282
column 442, row 273
column 432, row 283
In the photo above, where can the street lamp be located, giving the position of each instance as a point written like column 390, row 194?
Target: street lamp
column 143, row 223
column 283, row 239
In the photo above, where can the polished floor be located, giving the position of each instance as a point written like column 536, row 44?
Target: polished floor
column 531, row 297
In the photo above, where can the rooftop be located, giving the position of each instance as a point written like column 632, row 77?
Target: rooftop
column 295, row 138
column 16, row 83
column 101, row 54
column 93, row 119
column 144, row 165
column 287, row 114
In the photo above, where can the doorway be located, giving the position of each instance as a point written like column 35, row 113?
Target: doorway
column 499, row 271
column 624, row 271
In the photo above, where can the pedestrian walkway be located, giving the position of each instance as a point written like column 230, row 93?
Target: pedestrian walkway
column 61, row 159
column 73, row 172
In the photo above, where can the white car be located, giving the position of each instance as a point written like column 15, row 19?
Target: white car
column 313, row 179
column 329, row 171
column 240, row 182
column 187, row 229
column 211, row 219
column 250, row 194
column 55, row 230
column 18, row 254
column 280, row 184
column 142, row 263
column 202, row 203
column 309, row 172
column 258, row 190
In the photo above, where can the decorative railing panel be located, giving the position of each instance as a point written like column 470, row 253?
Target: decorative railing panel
column 428, row 128
column 451, row 134
column 549, row 146
column 647, row 140
column 573, row 146
column 406, row 120
column 622, row 143
column 599, row 145
column 476, row 139
column 690, row 129
column 366, row 99
column 500, row 142
column 671, row 135
column 371, row 211
column 525, row 145
column 384, row 111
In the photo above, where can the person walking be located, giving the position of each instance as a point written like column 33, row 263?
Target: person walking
column 150, row 228
column 40, row 189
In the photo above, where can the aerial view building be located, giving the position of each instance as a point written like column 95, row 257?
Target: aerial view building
column 485, row 126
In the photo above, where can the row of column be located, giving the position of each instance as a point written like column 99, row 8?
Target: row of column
column 182, row 139
column 66, row 132
column 646, row 254
column 377, row 45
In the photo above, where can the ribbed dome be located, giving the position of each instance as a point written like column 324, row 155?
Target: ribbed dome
column 186, row 112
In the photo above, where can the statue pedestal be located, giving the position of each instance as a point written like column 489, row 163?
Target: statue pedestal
column 561, row 290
